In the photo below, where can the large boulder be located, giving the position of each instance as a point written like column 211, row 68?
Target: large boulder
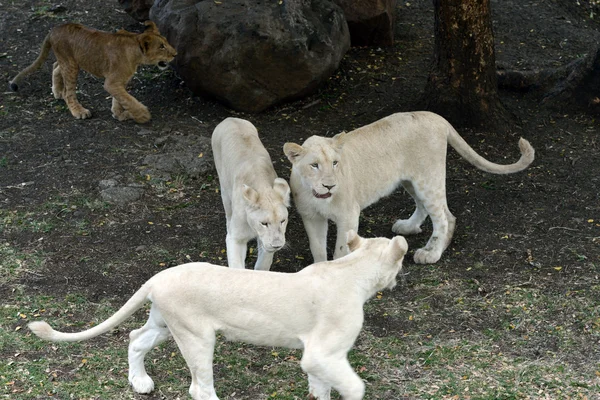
column 371, row 22
column 253, row 54
column 138, row 9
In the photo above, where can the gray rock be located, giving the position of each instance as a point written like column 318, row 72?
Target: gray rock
column 121, row 195
column 253, row 54
column 137, row 9
column 107, row 183
column 371, row 22
column 189, row 155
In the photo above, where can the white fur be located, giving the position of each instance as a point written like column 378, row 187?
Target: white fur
column 319, row 309
column 255, row 200
column 335, row 178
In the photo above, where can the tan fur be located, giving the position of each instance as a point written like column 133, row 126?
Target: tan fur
column 112, row 56
column 335, row 178
column 255, row 199
column 319, row 310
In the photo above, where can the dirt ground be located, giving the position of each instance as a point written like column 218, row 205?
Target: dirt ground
column 542, row 224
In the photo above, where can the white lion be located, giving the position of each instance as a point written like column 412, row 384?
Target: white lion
column 255, row 199
column 335, row 178
column 319, row 309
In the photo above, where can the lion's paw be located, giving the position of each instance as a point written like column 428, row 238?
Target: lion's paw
column 142, row 384
column 122, row 115
column 424, row 256
column 403, row 227
column 142, row 117
column 82, row 113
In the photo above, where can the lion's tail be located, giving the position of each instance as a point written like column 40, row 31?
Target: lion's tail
column 467, row 152
column 46, row 47
column 45, row 331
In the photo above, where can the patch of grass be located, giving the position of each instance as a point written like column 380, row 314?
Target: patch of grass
column 11, row 220
column 14, row 263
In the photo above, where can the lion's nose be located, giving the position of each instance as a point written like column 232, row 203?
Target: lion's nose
column 329, row 187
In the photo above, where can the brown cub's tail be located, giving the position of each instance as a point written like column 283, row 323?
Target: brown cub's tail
column 46, row 46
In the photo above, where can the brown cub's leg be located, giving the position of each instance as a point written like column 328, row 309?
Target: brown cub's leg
column 69, row 71
column 118, row 111
column 132, row 109
column 58, row 86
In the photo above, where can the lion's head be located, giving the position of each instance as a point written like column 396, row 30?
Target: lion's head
column 388, row 253
column 156, row 49
column 317, row 162
column 267, row 213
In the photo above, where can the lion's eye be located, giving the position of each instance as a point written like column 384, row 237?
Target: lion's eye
column 162, row 46
column 265, row 224
column 335, row 163
column 315, row 165
column 282, row 221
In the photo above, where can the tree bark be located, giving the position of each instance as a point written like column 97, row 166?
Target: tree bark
column 462, row 84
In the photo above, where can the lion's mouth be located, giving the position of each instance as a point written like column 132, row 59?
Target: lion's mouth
column 322, row 196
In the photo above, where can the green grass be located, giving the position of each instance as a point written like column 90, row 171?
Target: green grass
column 445, row 337
column 494, row 365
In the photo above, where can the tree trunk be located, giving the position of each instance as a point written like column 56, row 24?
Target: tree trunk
column 462, row 85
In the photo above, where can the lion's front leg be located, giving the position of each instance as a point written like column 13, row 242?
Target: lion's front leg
column 118, row 112
column 124, row 105
column 265, row 258
column 316, row 229
column 236, row 251
column 348, row 222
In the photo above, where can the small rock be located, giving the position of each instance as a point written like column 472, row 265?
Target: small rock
column 121, row 195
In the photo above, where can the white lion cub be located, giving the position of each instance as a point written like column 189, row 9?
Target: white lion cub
column 335, row 178
column 319, row 309
column 255, row 199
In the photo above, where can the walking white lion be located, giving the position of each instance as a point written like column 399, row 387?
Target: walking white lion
column 319, row 310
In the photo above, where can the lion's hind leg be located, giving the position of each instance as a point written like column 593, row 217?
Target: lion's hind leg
column 142, row 340
column 412, row 225
column 331, row 370
column 197, row 348
column 443, row 227
column 69, row 72
column 58, row 85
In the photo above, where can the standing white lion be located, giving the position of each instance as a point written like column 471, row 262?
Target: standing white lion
column 255, row 199
column 319, row 310
column 335, row 178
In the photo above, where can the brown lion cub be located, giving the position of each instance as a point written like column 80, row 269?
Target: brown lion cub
column 112, row 56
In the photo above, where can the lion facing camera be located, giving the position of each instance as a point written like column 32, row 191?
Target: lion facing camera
column 112, row 56
column 319, row 310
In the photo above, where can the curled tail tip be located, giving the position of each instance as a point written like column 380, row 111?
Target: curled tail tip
column 41, row 329
column 526, row 149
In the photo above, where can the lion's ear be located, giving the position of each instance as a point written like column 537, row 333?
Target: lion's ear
column 339, row 139
column 282, row 187
column 250, row 195
column 397, row 249
column 144, row 42
column 293, row 151
column 151, row 27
